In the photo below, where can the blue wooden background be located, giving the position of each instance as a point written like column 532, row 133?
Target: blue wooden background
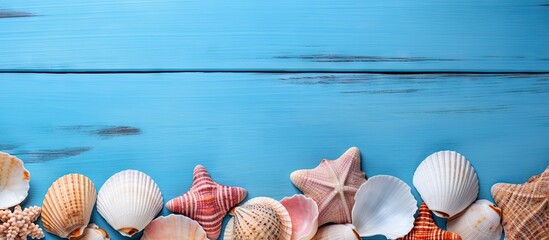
column 252, row 124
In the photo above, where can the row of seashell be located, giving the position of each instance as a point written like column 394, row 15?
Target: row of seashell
column 354, row 206
column 128, row 201
column 384, row 205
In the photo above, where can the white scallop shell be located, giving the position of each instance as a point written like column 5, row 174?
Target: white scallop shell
column 129, row 201
column 384, row 205
column 447, row 183
column 68, row 205
column 14, row 181
column 304, row 214
column 480, row 221
column 93, row 232
column 174, row 227
column 337, row 232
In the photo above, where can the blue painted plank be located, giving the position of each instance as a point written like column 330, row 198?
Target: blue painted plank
column 493, row 35
column 253, row 130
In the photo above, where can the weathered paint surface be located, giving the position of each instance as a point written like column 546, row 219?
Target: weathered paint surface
column 491, row 35
column 253, row 130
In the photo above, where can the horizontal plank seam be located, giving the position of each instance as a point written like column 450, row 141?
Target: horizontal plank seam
column 273, row 71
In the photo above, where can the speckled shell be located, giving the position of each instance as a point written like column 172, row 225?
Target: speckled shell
column 174, row 227
column 426, row 229
column 384, row 205
column 304, row 213
column 14, row 181
column 68, row 205
column 447, row 183
column 93, row 232
column 129, row 201
column 481, row 220
column 260, row 218
column 337, row 232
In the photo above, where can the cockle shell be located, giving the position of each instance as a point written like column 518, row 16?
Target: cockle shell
column 480, row 221
column 129, row 201
column 337, row 232
column 304, row 213
column 384, row 205
column 426, row 229
column 525, row 207
column 332, row 185
column 174, row 227
column 93, row 232
column 68, row 205
column 14, row 181
column 447, row 183
column 259, row 218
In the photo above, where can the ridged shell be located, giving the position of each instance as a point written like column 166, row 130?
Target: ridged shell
column 68, row 205
column 174, row 227
column 426, row 229
column 384, row 205
column 304, row 213
column 447, row 183
column 260, row 218
column 14, row 181
column 337, row 232
column 480, row 221
column 93, row 232
column 129, row 201
column 524, row 207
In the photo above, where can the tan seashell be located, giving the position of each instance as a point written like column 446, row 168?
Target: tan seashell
column 14, row 181
column 174, row 227
column 525, row 207
column 260, row 218
column 93, row 232
column 129, row 201
column 337, row 232
column 68, row 205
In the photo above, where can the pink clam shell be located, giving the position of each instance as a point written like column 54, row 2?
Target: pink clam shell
column 304, row 214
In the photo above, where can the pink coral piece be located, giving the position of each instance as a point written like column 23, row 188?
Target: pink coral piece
column 207, row 202
column 18, row 225
column 332, row 185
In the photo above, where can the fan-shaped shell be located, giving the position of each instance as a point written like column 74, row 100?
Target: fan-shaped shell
column 481, row 220
column 337, row 232
column 93, row 232
column 14, row 181
column 129, row 201
column 174, row 227
column 68, row 205
column 447, row 183
column 304, row 214
column 260, row 218
column 384, row 205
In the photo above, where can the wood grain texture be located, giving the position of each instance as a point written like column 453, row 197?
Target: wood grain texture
column 253, row 130
column 492, row 35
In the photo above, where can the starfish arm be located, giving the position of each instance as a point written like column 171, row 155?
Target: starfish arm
column 345, row 205
column 327, row 200
column 350, row 189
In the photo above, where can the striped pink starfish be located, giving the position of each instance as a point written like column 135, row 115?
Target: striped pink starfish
column 207, row 202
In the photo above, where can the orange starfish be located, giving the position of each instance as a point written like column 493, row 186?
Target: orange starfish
column 426, row 229
column 207, row 202
column 332, row 185
column 525, row 207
